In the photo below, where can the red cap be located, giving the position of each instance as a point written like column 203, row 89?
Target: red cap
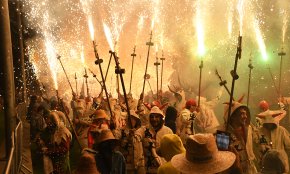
column 190, row 102
column 264, row 105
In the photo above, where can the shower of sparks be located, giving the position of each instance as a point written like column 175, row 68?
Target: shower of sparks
column 155, row 16
column 199, row 30
column 140, row 26
column 240, row 8
column 172, row 24
column 285, row 25
column 108, row 36
column 260, row 40
column 91, row 27
column 52, row 61
column 83, row 57
column 230, row 15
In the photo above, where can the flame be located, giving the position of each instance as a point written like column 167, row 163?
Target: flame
column 284, row 28
column 108, row 36
column 240, row 9
column 200, row 32
column 51, row 59
column 260, row 41
column 91, row 27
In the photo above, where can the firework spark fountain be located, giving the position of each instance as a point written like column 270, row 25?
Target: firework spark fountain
column 109, row 38
column 52, row 61
column 260, row 40
column 240, row 8
column 284, row 28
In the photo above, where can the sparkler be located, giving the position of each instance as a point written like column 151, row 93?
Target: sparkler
column 260, row 41
column 133, row 57
column 201, row 47
column 52, row 61
column 147, row 60
column 284, row 28
column 250, row 76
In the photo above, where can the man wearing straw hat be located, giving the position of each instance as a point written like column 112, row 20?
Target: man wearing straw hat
column 147, row 139
column 202, row 156
column 108, row 160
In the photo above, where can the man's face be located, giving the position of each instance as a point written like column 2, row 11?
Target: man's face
column 155, row 120
column 243, row 116
column 192, row 108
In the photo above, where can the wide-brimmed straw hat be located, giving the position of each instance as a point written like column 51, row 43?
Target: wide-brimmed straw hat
column 202, row 156
column 98, row 114
column 105, row 135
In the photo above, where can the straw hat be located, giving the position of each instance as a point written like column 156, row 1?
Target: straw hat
column 202, row 156
column 98, row 114
column 105, row 135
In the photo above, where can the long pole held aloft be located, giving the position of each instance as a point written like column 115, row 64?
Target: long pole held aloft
column 157, row 78
column 249, row 83
column 222, row 82
column 281, row 54
column 108, row 67
column 95, row 76
column 76, row 79
column 199, row 86
column 147, row 60
column 98, row 62
column 235, row 77
column 60, row 102
column 161, row 80
column 86, row 77
column 119, row 71
column 133, row 57
column 58, row 57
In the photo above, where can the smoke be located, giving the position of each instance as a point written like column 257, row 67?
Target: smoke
column 174, row 32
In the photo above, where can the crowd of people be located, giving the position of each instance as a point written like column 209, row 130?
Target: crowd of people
column 156, row 137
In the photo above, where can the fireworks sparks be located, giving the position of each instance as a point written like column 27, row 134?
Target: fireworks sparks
column 260, row 41
column 91, row 27
column 129, row 22
column 52, row 61
column 240, row 8
column 284, row 28
column 109, row 36
column 199, row 30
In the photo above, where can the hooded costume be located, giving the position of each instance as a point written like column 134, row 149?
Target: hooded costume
column 277, row 137
column 241, row 137
column 146, row 138
column 170, row 146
